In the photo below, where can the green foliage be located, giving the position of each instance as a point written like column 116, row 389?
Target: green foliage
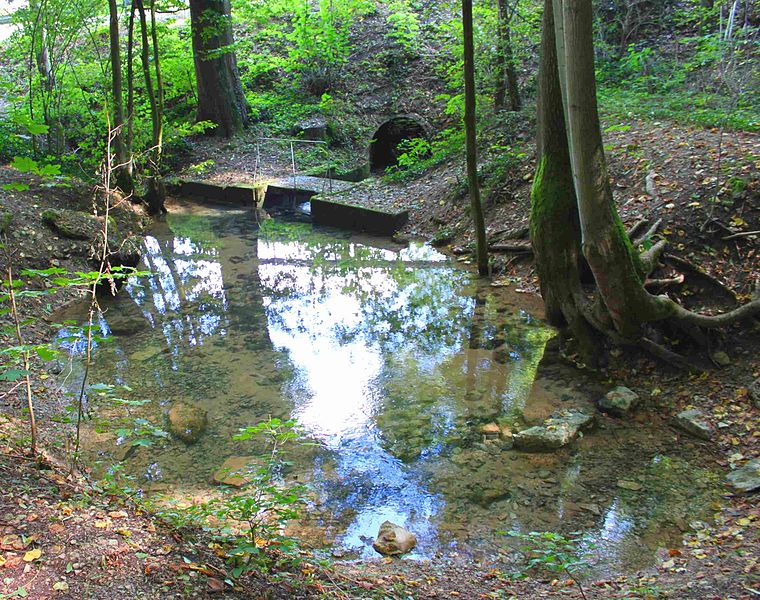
column 404, row 26
column 254, row 518
column 555, row 553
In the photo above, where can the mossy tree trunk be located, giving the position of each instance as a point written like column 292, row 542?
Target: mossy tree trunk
column 572, row 203
column 554, row 222
column 220, row 92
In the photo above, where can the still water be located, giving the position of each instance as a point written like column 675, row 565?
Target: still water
column 391, row 359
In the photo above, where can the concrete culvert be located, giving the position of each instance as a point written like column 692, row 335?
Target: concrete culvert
column 384, row 149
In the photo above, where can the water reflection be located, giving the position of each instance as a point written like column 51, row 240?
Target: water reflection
column 392, row 361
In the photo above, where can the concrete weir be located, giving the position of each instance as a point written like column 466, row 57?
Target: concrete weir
column 290, row 192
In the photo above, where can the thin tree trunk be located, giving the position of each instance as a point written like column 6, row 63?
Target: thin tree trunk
column 156, row 192
column 123, row 176
column 471, row 131
column 131, row 85
column 507, row 84
column 220, row 93
column 159, row 83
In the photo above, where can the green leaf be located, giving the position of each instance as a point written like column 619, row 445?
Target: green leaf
column 15, row 187
column 13, row 374
column 46, row 353
column 24, row 164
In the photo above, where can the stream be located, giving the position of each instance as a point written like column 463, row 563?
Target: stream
column 391, row 359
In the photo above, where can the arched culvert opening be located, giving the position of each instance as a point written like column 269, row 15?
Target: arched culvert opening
column 384, row 149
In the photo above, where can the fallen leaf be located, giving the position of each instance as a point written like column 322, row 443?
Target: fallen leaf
column 215, row 585
column 61, row 586
column 32, row 555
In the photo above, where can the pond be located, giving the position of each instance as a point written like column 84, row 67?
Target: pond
column 391, row 359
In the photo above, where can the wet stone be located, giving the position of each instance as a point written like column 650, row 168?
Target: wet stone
column 394, row 540
column 237, row 471
column 556, row 432
column 187, row 422
column 619, row 402
column 692, row 422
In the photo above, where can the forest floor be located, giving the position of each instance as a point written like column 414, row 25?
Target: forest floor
column 64, row 537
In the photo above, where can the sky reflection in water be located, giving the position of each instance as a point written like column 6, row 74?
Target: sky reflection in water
column 386, row 356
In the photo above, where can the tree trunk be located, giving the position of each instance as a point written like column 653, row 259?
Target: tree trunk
column 616, row 266
column 159, row 138
column 156, row 193
column 554, row 223
column 220, row 92
column 507, row 84
column 470, row 132
column 122, row 172
column 131, row 85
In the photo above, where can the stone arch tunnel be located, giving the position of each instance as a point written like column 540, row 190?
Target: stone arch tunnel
column 384, row 150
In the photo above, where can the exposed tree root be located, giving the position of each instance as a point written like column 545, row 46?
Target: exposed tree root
column 637, row 228
column 648, row 234
column 685, row 265
column 740, row 235
column 650, row 258
column 666, row 355
column 659, row 284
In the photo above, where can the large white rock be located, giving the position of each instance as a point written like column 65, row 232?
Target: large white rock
column 394, row 540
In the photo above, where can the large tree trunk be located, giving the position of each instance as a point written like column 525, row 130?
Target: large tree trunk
column 122, row 171
column 622, row 308
column 220, row 92
column 555, row 228
column 616, row 266
column 506, row 84
column 470, row 132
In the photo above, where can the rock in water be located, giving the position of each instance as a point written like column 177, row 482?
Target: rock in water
column 394, row 540
column 619, row 402
column 187, row 422
column 556, row 432
column 746, row 478
column 692, row 422
column 237, row 471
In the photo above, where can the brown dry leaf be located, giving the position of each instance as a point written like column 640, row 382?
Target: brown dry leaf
column 215, row 586
column 56, row 528
column 118, row 514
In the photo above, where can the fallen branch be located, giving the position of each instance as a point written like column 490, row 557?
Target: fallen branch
column 515, row 248
column 740, row 235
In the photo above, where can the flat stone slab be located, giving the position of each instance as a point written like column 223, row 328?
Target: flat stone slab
column 329, row 212
column 242, row 194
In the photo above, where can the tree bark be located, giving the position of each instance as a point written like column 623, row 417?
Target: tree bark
column 156, row 192
column 122, row 172
column 507, row 84
column 554, row 222
column 220, row 92
column 471, row 132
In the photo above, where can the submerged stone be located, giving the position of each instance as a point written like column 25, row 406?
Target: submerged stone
column 556, row 432
column 619, row 402
column 146, row 353
column 746, row 478
column 692, row 422
column 237, row 471
column 394, row 540
column 187, row 422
